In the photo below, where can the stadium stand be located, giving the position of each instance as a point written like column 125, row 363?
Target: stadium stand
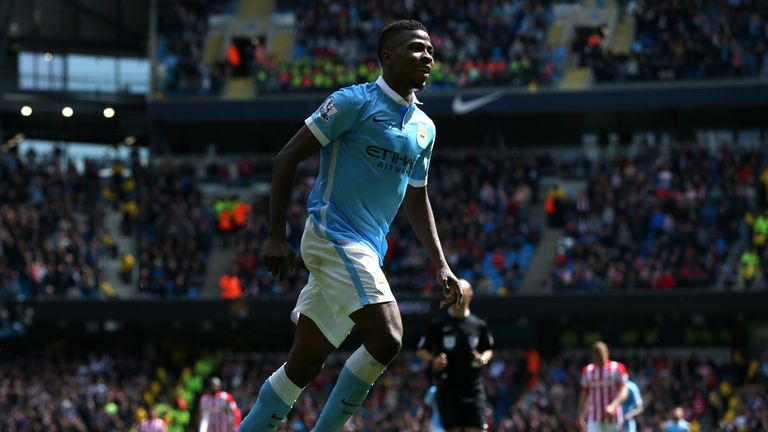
column 610, row 183
column 488, row 230
column 58, row 389
column 51, row 228
column 657, row 223
column 686, row 40
column 630, row 211
column 175, row 229
column 485, row 43
column 502, row 44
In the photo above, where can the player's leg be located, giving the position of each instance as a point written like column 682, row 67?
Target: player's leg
column 593, row 426
column 382, row 331
column 449, row 408
column 472, row 411
column 280, row 391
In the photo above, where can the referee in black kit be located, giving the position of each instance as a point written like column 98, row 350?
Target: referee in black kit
column 456, row 347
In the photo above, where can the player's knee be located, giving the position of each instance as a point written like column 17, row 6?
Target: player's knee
column 303, row 372
column 386, row 347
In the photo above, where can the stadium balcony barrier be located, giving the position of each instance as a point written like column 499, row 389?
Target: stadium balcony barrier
column 492, row 100
column 277, row 309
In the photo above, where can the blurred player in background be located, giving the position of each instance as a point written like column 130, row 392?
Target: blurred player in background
column 153, row 423
column 430, row 400
column 375, row 145
column 678, row 422
column 218, row 409
column 603, row 389
column 457, row 346
column 632, row 406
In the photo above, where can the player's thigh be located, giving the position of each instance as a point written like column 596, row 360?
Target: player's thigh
column 313, row 306
column 309, row 342
column 461, row 411
column 348, row 273
column 449, row 406
column 602, row 427
column 379, row 320
column 472, row 410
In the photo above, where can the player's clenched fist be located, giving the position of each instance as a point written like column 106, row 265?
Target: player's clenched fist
column 279, row 257
column 440, row 362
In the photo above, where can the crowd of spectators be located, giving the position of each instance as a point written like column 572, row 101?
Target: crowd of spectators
column 652, row 222
column 753, row 263
column 182, row 27
column 686, row 40
column 477, row 42
column 60, row 390
column 529, row 393
column 51, row 227
column 67, row 387
column 483, row 205
column 175, row 229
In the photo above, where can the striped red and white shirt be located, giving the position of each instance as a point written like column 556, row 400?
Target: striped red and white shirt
column 602, row 385
column 219, row 413
column 153, row 425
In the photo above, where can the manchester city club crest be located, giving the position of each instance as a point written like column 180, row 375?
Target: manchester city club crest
column 422, row 137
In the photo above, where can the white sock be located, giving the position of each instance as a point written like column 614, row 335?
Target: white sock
column 284, row 387
column 364, row 366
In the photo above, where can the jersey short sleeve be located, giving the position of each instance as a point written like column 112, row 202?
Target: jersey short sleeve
column 421, row 166
column 584, row 379
column 486, row 340
column 337, row 114
column 429, row 340
column 635, row 391
column 621, row 373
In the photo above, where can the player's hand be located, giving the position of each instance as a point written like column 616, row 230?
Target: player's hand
column 582, row 424
column 440, row 362
column 610, row 412
column 451, row 289
column 478, row 357
column 279, row 257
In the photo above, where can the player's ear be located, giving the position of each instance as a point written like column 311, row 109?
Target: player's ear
column 386, row 56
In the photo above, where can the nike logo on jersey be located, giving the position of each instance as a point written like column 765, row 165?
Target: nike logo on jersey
column 464, row 107
column 344, row 401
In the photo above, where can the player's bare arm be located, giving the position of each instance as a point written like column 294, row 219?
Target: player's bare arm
column 438, row 363
column 279, row 257
column 418, row 210
column 620, row 397
column 582, row 414
column 483, row 357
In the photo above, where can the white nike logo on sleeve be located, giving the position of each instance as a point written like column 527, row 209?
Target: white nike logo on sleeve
column 461, row 107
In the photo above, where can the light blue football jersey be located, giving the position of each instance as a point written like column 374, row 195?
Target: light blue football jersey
column 431, row 400
column 634, row 399
column 375, row 144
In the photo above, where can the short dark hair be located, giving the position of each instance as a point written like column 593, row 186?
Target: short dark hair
column 389, row 32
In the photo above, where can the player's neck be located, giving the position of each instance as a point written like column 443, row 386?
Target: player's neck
column 403, row 90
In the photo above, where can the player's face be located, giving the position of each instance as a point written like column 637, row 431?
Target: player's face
column 412, row 59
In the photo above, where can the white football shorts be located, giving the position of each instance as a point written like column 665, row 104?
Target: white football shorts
column 343, row 277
